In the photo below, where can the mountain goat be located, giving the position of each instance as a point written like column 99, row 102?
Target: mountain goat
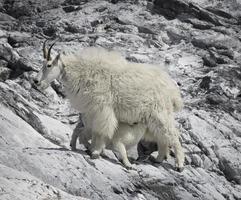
column 109, row 90
column 124, row 138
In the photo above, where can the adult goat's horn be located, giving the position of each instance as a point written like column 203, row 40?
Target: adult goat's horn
column 49, row 51
column 45, row 50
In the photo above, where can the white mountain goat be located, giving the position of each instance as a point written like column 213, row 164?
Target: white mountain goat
column 108, row 90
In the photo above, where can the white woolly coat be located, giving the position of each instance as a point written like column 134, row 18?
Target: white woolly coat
column 98, row 81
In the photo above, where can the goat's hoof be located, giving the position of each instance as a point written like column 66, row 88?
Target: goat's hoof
column 73, row 147
column 94, row 156
column 130, row 167
column 143, row 158
column 157, row 160
column 88, row 152
column 166, row 157
column 152, row 159
column 179, row 169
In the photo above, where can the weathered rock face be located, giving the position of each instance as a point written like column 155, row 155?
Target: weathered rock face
column 198, row 42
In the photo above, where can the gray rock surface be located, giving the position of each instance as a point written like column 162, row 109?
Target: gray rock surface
column 198, row 42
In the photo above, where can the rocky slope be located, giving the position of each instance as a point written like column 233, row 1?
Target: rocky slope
column 198, row 42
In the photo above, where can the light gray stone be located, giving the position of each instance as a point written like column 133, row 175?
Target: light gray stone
column 36, row 127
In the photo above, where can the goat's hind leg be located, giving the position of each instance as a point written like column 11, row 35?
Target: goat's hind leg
column 163, row 127
column 175, row 143
column 180, row 157
column 158, row 126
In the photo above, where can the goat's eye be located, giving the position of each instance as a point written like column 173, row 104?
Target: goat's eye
column 49, row 66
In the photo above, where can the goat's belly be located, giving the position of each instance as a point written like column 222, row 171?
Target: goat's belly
column 133, row 138
column 130, row 116
column 134, row 108
column 130, row 135
column 134, row 98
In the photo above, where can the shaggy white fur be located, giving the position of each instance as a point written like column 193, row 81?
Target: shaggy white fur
column 108, row 90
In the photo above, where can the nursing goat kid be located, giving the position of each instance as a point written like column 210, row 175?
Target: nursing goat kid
column 108, row 90
column 125, row 137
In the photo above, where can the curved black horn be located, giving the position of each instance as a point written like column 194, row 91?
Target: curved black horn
column 49, row 51
column 45, row 50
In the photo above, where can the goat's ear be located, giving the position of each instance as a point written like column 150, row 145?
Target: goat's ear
column 56, row 59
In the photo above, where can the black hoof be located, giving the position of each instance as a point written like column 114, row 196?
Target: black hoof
column 154, row 160
column 128, row 167
column 94, row 156
column 180, row 169
column 88, row 152
column 142, row 158
column 73, row 147
column 131, row 168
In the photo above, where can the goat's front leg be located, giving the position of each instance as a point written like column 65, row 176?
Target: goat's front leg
column 76, row 134
column 121, row 149
column 84, row 136
column 97, row 145
column 103, row 128
column 74, row 137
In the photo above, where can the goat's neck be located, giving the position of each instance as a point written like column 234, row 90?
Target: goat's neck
column 62, row 78
column 68, row 82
